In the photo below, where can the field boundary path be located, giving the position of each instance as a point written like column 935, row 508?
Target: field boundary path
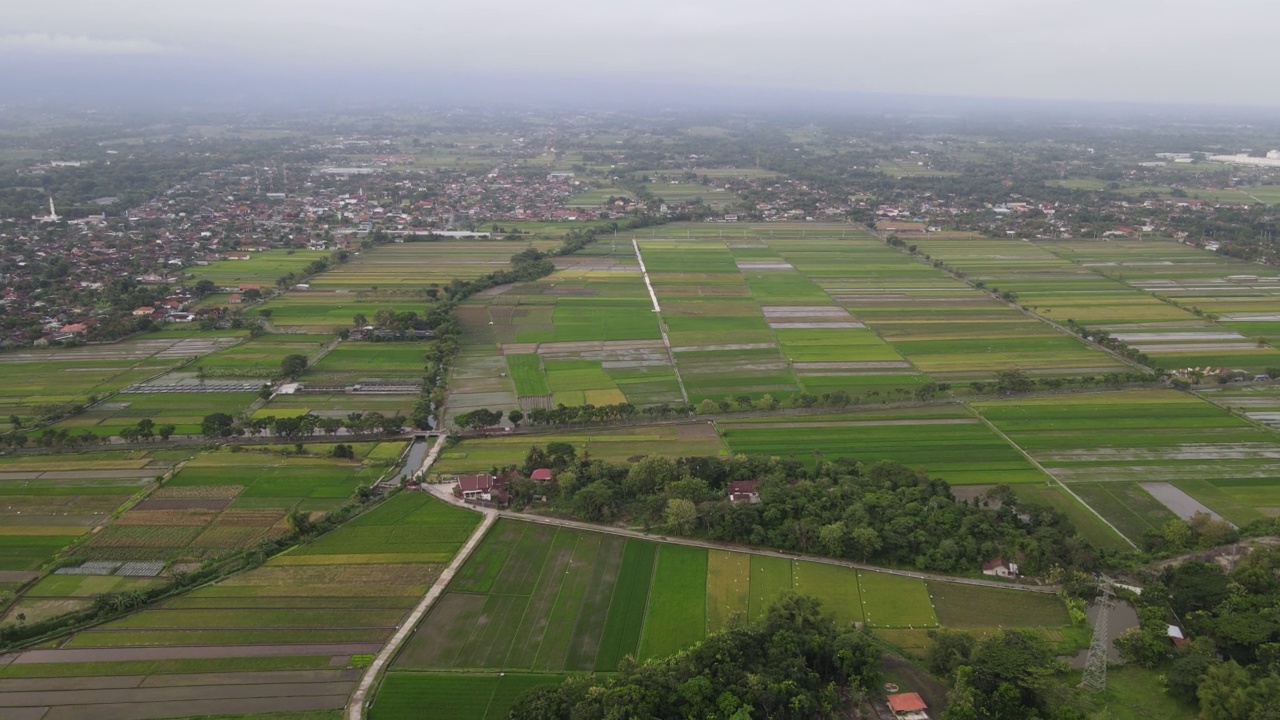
column 662, row 327
column 360, row 699
column 1048, row 474
column 442, row 491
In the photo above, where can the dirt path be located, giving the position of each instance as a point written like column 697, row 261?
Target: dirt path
column 188, row 652
column 141, row 697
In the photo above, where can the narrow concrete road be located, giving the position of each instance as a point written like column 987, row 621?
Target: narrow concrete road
column 992, row 427
column 360, row 699
column 662, row 326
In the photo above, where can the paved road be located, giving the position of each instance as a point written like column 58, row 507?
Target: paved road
column 443, row 491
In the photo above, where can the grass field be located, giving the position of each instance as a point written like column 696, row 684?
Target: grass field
column 894, row 601
column 970, row 606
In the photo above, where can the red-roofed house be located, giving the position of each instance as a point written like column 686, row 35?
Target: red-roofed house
column 74, row 329
column 999, row 567
column 541, row 475
column 908, row 706
column 744, row 491
column 480, row 488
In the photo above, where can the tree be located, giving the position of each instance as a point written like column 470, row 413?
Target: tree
column 293, row 365
column 864, row 542
column 217, row 425
column 1146, row 645
column 1013, row 381
column 650, row 475
column 595, row 501
column 950, row 650
column 203, row 288
column 166, row 431
column 300, row 522
column 1185, row 673
column 832, row 537
column 1224, row 693
column 359, row 320
column 681, row 514
column 1195, row 586
column 515, row 416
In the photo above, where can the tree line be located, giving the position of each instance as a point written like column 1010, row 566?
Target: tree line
column 220, row 425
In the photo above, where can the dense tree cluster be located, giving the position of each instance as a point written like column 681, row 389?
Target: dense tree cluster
column 1231, row 667
column 1199, row 533
column 1009, row 674
column 795, row 663
column 885, row 513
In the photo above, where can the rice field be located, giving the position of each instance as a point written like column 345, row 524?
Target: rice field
column 481, row 453
column 1175, row 303
column 33, row 380
column 422, row 264
column 356, row 585
column 1224, row 461
column 541, row 599
column 770, row 311
column 262, row 268
column 946, row 441
column 453, row 696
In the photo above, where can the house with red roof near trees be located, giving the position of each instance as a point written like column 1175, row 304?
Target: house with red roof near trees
column 908, row 706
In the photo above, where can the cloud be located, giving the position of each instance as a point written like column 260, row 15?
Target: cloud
column 46, row 44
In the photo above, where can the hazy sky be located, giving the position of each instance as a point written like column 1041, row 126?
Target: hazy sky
column 1180, row 51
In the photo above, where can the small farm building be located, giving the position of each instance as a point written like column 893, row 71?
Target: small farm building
column 908, row 706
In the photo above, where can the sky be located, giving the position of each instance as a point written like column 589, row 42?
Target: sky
column 1186, row 52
